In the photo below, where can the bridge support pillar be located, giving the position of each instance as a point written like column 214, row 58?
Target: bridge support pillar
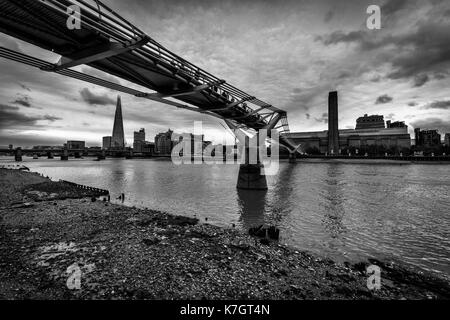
column 251, row 173
column 292, row 157
column 18, row 155
column 50, row 155
column 65, row 155
column 251, row 177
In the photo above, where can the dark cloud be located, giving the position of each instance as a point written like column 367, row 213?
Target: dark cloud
column 390, row 116
column 323, row 119
column 440, row 76
column 343, row 37
column 308, row 116
column 23, row 100
column 420, row 80
column 12, row 118
column 95, row 99
column 50, row 118
column 375, row 78
column 24, row 87
column 443, row 126
column 412, row 104
column 384, row 99
column 344, row 75
column 329, row 16
column 421, row 50
column 431, row 43
column 444, row 104
column 391, row 7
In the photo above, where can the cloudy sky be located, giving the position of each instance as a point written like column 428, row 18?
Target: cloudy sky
column 288, row 53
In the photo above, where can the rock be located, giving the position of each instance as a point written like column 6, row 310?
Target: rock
column 151, row 241
column 22, row 205
column 274, row 233
column 361, row 267
column 257, row 231
column 295, row 289
column 262, row 232
column 132, row 220
column 241, row 246
column 199, row 234
column 181, row 221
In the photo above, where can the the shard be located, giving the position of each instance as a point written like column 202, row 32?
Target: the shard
column 118, row 136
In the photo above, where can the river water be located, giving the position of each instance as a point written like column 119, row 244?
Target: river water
column 341, row 211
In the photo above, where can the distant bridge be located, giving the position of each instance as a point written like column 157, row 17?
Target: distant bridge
column 108, row 42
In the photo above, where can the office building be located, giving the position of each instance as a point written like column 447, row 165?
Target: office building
column 106, row 143
column 427, row 138
column 396, row 124
column 164, row 143
column 370, row 122
column 139, row 141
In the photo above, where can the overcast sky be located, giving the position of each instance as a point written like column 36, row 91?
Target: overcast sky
column 287, row 53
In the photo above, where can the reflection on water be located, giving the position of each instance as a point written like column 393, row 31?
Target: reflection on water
column 338, row 210
column 252, row 206
column 334, row 207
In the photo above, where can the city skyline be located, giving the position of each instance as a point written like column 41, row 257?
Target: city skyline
column 376, row 72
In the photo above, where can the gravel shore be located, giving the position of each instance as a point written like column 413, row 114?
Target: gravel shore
column 47, row 228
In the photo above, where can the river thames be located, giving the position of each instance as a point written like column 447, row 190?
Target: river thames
column 341, row 211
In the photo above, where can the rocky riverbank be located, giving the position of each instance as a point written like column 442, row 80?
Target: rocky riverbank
column 48, row 230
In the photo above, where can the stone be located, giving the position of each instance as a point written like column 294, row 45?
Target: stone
column 151, row 241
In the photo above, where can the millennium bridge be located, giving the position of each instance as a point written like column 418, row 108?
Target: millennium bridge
column 108, row 42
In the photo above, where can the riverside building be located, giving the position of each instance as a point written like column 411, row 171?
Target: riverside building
column 369, row 131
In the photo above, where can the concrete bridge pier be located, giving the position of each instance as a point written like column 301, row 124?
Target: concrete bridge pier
column 50, row 155
column 293, row 157
column 65, row 155
column 251, row 176
column 18, row 155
